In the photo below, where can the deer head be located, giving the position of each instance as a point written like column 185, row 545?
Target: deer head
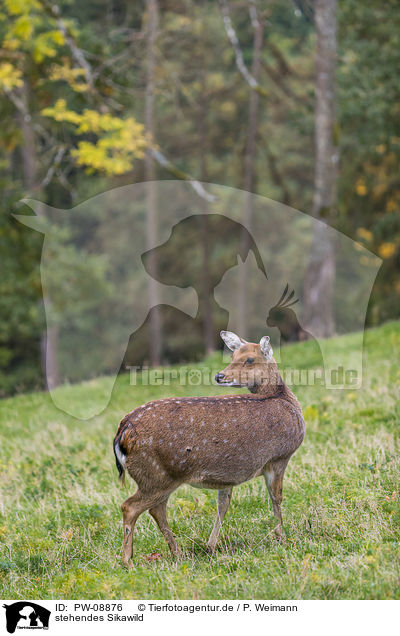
column 252, row 366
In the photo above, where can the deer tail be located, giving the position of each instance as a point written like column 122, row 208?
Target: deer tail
column 120, row 458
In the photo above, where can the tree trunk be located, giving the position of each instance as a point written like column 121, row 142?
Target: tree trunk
column 155, row 340
column 205, row 298
column 320, row 275
column 249, row 180
column 49, row 339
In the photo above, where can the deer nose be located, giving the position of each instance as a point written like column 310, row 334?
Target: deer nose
column 219, row 376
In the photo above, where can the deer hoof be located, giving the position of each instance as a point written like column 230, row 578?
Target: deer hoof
column 177, row 554
column 128, row 564
column 280, row 535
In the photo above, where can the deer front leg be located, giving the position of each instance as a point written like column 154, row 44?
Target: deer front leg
column 273, row 476
column 224, row 499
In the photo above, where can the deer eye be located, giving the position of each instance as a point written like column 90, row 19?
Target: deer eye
column 249, row 361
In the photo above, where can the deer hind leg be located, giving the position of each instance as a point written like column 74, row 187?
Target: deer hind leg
column 132, row 508
column 224, row 499
column 273, row 476
column 159, row 514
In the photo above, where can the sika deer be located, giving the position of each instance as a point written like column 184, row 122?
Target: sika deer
column 210, row 442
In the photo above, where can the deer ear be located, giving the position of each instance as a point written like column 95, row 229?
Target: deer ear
column 266, row 348
column 231, row 340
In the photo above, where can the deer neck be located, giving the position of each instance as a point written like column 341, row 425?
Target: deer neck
column 275, row 386
column 278, row 390
column 269, row 386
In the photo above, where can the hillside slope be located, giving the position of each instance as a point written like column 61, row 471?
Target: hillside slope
column 60, row 521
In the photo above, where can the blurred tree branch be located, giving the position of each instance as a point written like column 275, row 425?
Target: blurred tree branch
column 78, row 55
column 54, row 11
column 231, row 33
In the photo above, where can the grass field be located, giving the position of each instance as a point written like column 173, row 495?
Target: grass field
column 60, row 520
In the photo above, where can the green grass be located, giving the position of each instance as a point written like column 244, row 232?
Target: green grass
column 60, row 520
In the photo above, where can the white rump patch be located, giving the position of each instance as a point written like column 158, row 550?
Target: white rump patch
column 121, row 457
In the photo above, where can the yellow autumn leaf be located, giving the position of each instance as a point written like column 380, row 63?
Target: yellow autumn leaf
column 23, row 27
column 120, row 141
column 10, row 77
column 365, row 234
column 73, row 76
column 19, row 7
column 386, row 250
column 92, row 121
column 57, row 36
column 10, row 44
column 45, row 44
column 60, row 112
column 361, row 188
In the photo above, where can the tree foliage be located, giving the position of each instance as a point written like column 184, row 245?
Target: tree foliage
column 72, row 93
